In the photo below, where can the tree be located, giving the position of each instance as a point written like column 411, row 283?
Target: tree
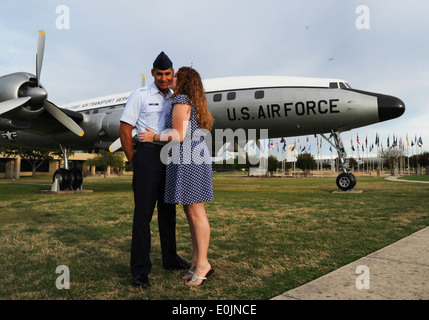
column 105, row 159
column 34, row 156
column 306, row 162
column 273, row 163
column 423, row 160
column 391, row 157
column 352, row 163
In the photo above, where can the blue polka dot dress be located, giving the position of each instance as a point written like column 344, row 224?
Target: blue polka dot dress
column 189, row 169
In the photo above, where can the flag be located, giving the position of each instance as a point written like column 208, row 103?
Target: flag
column 351, row 143
column 357, row 139
column 408, row 142
column 420, row 142
column 377, row 141
column 395, row 141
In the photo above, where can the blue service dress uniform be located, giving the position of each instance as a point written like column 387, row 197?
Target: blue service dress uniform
column 147, row 108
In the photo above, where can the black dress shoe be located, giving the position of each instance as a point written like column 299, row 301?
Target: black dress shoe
column 141, row 281
column 180, row 265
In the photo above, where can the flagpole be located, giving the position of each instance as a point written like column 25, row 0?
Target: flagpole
column 357, row 148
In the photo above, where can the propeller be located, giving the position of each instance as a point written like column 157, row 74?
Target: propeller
column 39, row 54
column 37, row 96
column 63, row 118
column 116, row 145
column 8, row 105
column 40, row 95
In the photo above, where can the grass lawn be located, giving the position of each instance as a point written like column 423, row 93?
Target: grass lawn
column 268, row 235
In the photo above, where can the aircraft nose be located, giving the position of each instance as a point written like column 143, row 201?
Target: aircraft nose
column 390, row 107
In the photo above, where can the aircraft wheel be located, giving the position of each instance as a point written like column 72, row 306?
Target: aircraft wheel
column 76, row 178
column 353, row 178
column 64, row 178
column 346, row 181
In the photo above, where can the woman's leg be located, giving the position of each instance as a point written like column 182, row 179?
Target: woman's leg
column 188, row 276
column 200, row 233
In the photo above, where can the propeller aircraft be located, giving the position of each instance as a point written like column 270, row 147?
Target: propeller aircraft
column 286, row 106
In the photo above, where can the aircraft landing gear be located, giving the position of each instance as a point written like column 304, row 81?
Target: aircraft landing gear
column 65, row 179
column 346, row 181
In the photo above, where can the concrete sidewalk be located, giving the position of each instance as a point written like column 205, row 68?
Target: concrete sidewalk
column 399, row 271
column 395, row 178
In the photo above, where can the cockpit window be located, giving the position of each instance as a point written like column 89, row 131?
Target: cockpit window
column 342, row 85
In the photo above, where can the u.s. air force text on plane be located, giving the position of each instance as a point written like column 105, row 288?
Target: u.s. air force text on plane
column 276, row 111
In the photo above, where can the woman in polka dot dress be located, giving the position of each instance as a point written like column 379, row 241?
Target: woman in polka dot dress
column 189, row 171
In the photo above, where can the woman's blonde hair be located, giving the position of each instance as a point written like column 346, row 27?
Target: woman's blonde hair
column 189, row 83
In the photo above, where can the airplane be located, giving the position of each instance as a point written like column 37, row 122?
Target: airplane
column 286, row 106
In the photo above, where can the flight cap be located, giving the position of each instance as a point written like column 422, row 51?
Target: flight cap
column 162, row 62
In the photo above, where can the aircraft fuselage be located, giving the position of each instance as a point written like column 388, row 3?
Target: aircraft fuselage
column 286, row 106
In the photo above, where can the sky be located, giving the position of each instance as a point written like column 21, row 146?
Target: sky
column 96, row 48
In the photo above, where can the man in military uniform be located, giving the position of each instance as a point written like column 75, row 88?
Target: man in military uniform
column 148, row 107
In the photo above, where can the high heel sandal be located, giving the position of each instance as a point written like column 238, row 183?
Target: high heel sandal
column 190, row 274
column 195, row 278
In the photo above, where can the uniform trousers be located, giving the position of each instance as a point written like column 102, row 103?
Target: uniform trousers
column 149, row 187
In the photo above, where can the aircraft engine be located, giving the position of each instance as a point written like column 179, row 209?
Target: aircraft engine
column 110, row 126
column 21, row 96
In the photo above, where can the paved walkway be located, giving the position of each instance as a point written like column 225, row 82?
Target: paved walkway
column 399, row 271
column 395, row 178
